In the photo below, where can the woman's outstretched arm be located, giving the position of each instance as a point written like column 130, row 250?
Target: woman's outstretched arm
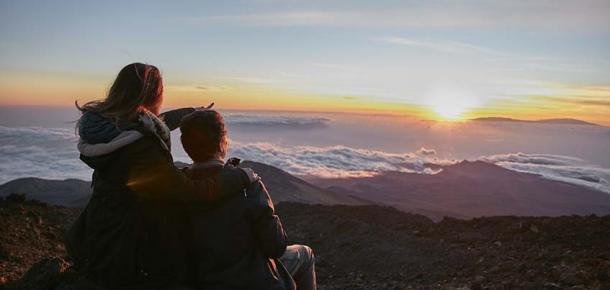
column 172, row 118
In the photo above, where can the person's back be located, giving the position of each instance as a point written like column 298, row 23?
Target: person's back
column 239, row 243
column 235, row 243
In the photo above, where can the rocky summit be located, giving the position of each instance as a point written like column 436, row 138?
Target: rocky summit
column 363, row 247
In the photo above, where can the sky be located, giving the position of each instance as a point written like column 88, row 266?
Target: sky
column 441, row 60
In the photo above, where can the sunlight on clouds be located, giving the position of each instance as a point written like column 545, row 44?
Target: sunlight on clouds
column 550, row 100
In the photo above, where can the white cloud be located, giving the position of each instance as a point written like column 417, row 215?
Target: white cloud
column 556, row 167
column 333, row 161
column 40, row 152
column 426, row 151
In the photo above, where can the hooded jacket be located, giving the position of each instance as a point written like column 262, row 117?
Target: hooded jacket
column 235, row 244
column 130, row 234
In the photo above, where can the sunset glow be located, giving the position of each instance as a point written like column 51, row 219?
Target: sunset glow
column 326, row 56
column 458, row 136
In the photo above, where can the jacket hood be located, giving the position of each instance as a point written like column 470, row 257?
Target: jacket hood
column 122, row 139
column 94, row 128
column 100, row 135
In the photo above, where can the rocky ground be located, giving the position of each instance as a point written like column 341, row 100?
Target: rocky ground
column 29, row 231
column 369, row 247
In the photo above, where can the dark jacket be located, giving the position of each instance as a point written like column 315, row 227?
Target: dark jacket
column 128, row 236
column 235, row 243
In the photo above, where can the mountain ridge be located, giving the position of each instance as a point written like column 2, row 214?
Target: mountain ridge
column 472, row 189
column 76, row 193
column 464, row 190
column 560, row 121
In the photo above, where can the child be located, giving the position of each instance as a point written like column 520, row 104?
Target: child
column 238, row 243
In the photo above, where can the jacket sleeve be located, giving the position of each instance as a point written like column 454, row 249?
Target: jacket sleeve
column 172, row 118
column 154, row 177
column 268, row 230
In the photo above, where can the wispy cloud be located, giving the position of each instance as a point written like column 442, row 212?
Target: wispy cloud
column 580, row 100
column 212, row 88
column 541, row 14
column 442, row 45
column 502, row 60
column 288, row 18
column 253, row 80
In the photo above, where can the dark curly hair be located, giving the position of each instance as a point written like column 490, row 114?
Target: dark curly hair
column 204, row 136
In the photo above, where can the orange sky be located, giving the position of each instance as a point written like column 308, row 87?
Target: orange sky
column 586, row 103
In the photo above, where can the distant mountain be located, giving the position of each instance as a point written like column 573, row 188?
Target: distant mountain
column 464, row 190
column 68, row 192
column 76, row 193
column 472, row 189
column 562, row 121
column 283, row 186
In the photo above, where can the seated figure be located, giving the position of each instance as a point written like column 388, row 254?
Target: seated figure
column 239, row 242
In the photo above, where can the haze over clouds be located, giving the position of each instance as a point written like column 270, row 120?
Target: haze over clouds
column 51, row 152
column 274, row 121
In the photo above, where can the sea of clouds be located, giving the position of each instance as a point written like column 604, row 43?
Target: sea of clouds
column 51, row 153
column 40, row 152
column 336, row 161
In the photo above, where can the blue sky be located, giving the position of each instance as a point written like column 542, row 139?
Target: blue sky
column 472, row 54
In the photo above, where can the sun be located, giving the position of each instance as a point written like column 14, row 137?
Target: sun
column 451, row 104
column 448, row 111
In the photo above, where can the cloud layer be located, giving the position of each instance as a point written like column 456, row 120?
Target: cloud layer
column 40, row 152
column 335, row 161
column 51, row 153
column 556, row 167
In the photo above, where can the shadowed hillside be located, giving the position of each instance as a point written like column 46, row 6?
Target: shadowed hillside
column 76, row 193
column 471, row 189
column 286, row 187
column 68, row 192
column 464, row 190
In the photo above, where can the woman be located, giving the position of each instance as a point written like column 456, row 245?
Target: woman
column 129, row 235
